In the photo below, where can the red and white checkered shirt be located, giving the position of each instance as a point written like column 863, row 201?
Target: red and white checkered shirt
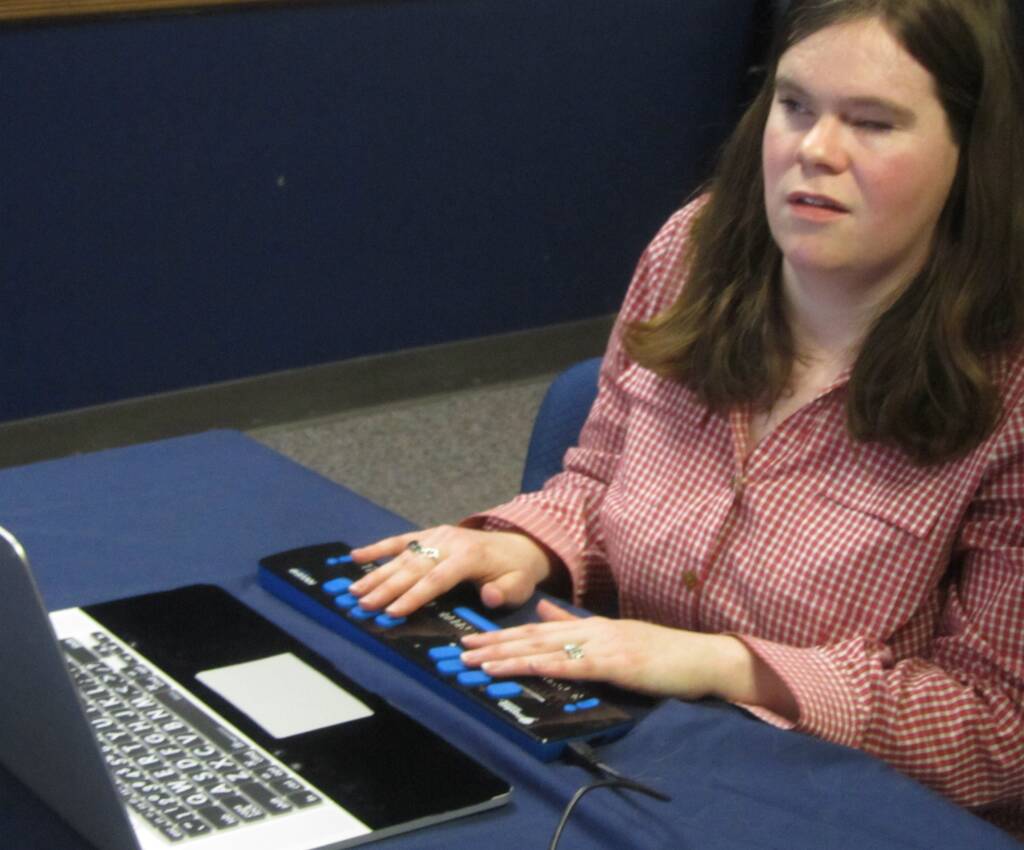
column 889, row 597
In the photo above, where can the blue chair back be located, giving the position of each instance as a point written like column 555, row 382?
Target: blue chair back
column 559, row 419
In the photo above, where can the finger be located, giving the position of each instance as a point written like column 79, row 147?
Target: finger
column 429, row 586
column 555, row 665
column 388, row 583
column 394, row 548
column 381, row 574
column 389, row 547
column 511, row 589
column 549, row 612
column 556, row 634
column 521, row 648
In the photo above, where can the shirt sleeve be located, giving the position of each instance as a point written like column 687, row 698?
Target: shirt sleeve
column 564, row 514
column 953, row 719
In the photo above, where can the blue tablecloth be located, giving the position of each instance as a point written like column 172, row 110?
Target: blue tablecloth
column 205, row 508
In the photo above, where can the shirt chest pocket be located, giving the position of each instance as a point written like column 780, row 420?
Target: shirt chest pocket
column 884, row 487
column 875, row 541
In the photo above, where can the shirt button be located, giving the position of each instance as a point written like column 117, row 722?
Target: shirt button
column 738, row 483
column 690, row 580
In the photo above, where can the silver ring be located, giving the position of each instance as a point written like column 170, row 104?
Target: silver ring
column 427, row 551
column 573, row 651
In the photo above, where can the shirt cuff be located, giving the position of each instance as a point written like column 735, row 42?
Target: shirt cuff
column 827, row 706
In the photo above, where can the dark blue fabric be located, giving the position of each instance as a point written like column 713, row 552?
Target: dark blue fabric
column 205, row 508
column 560, row 417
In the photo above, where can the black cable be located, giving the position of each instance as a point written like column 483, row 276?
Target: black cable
column 601, row 783
column 583, row 754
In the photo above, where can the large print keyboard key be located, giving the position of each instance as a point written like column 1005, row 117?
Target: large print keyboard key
column 542, row 715
column 199, row 720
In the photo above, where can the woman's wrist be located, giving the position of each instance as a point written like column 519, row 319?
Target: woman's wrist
column 739, row 675
column 532, row 557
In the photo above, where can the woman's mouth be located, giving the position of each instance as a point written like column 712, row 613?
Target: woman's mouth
column 814, row 207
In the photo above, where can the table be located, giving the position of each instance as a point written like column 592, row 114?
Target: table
column 205, row 508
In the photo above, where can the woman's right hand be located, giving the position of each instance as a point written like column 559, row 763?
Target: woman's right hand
column 506, row 567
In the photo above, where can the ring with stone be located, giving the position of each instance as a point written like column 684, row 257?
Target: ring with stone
column 427, row 551
column 573, row 651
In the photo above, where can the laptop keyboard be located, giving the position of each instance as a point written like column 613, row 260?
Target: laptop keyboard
column 173, row 764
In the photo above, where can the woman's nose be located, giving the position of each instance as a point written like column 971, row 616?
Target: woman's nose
column 822, row 145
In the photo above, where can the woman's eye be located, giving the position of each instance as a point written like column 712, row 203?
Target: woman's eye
column 792, row 105
column 872, row 125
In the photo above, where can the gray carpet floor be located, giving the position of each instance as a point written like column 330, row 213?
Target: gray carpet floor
column 431, row 460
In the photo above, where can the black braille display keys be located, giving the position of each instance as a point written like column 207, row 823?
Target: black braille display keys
column 539, row 714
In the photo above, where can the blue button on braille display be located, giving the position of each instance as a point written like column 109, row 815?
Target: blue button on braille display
column 471, row 616
column 586, row 704
column 450, row 666
column 339, row 559
column 387, row 622
column 359, row 613
column 337, row 585
column 570, row 708
column 473, row 677
column 438, row 653
column 504, row 690
column 346, row 600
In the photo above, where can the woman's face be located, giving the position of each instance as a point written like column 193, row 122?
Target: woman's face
column 858, row 157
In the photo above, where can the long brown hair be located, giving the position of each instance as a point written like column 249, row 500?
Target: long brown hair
column 925, row 377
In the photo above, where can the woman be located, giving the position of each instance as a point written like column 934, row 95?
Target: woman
column 802, row 482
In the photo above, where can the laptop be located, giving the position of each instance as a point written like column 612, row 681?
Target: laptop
column 183, row 718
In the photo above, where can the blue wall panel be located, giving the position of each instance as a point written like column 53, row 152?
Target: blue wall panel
column 195, row 198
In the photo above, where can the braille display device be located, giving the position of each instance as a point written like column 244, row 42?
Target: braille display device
column 541, row 715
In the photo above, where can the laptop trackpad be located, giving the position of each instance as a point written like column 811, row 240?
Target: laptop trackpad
column 284, row 695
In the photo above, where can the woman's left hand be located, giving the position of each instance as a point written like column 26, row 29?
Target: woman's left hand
column 638, row 656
